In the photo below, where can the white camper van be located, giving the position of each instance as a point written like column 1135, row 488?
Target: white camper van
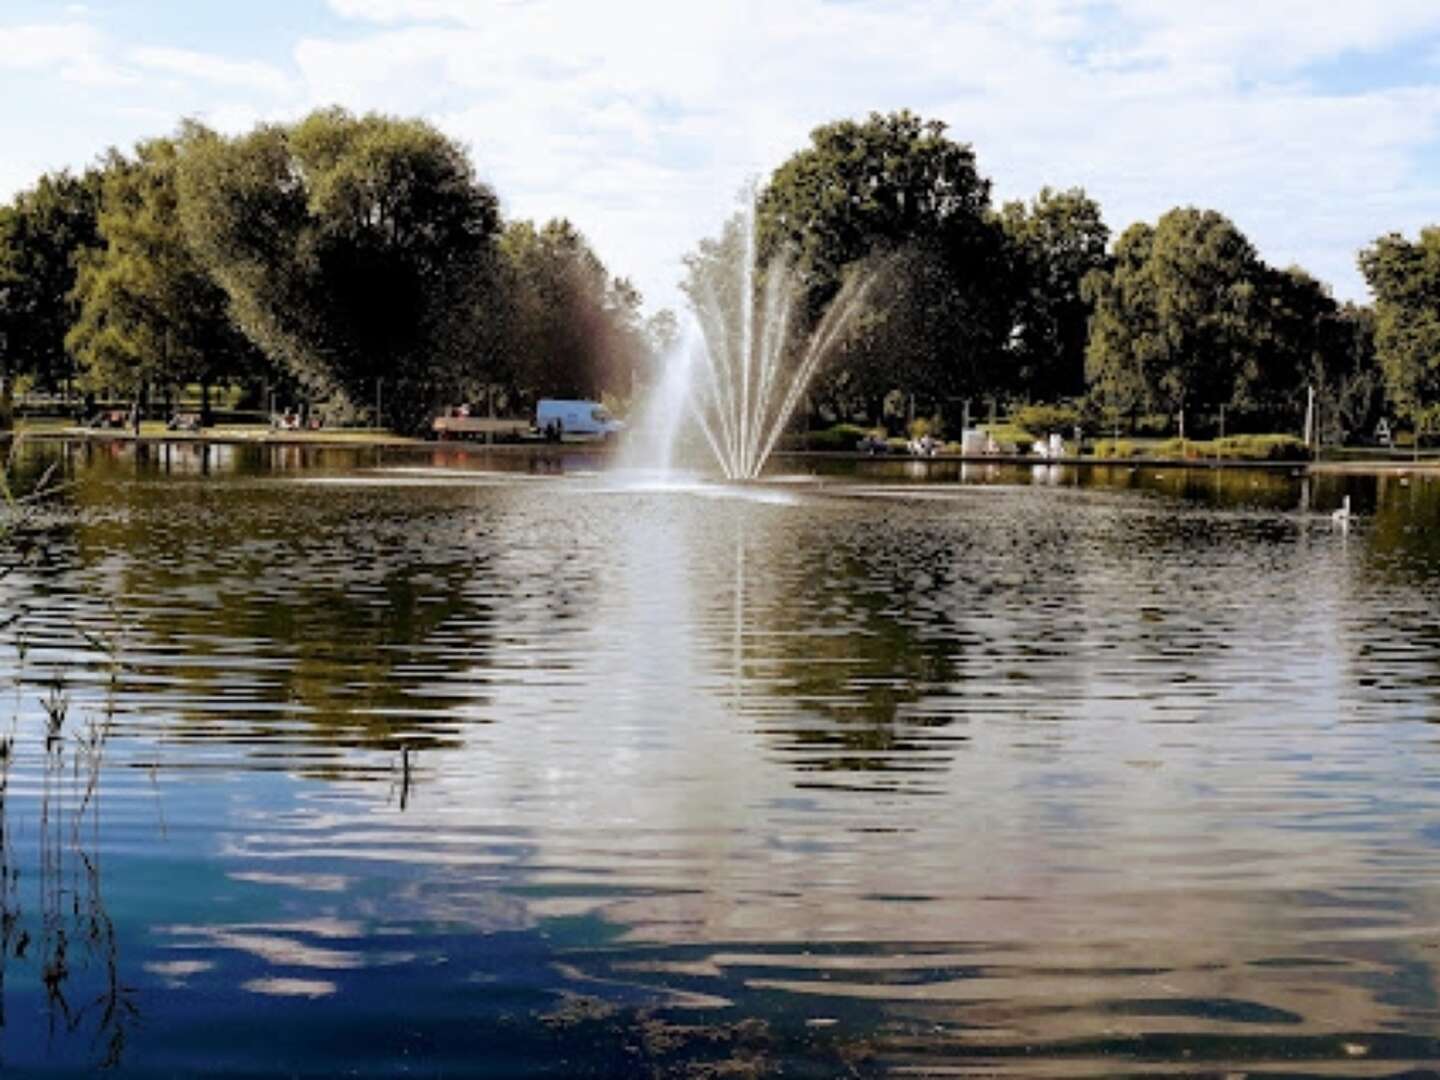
column 556, row 419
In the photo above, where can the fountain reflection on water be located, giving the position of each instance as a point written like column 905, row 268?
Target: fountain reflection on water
column 739, row 370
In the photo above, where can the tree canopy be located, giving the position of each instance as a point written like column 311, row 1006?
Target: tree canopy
column 1176, row 318
column 148, row 311
column 353, row 250
column 43, row 234
column 571, row 329
column 360, row 258
column 1405, row 277
column 893, row 197
column 1052, row 244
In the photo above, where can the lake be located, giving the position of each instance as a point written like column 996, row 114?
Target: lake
column 446, row 764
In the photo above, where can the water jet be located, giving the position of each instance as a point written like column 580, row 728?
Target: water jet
column 739, row 371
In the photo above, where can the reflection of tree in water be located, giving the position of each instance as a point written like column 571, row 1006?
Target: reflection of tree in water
column 1391, row 617
column 875, row 634
column 355, row 610
column 835, row 657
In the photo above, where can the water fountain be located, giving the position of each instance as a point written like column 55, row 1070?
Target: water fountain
column 736, row 375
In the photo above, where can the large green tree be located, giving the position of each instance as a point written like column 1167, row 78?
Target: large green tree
column 1053, row 243
column 358, row 252
column 1176, row 320
column 43, row 234
column 893, row 197
column 149, row 313
column 1404, row 275
column 571, row 329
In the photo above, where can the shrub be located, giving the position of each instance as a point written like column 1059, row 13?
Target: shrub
column 1230, row 448
column 1047, row 418
column 1117, row 448
column 1260, row 448
column 1010, row 437
column 837, row 437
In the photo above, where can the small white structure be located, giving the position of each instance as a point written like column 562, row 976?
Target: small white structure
column 557, row 419
column 1050, row 448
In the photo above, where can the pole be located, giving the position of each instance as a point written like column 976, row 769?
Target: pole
column 1309, row 415
column 378, row 402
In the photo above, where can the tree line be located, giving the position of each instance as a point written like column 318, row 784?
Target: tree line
column 352, row 260
column 1032, row 302
column 359, row 261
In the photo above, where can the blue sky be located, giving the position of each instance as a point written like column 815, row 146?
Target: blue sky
column 1315, row 129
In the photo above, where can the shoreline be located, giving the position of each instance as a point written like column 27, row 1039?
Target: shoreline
column 323, row 440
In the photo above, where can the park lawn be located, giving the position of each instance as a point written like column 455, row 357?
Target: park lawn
column 260, row 433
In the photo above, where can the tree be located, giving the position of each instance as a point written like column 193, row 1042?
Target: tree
column 1405, row 278
column 1124, row 350
column 148, row 312
column 1052, row 245
column 1175, row 321
column 572, row 330
column 1353, row 381
column 43, row 233
column 662, row 332
column 895, row 197
column 355, row 252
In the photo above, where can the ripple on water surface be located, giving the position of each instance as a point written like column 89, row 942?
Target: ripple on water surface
column 559, row 773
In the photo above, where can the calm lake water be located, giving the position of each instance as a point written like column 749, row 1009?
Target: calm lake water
column 345, row 762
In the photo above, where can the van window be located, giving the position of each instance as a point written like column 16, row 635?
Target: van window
column 600, row 415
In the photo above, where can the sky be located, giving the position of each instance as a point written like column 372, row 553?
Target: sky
column 1314, row 126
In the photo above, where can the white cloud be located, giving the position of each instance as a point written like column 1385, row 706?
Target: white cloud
column 74, row 50
column 211, row 68
column 641, row 119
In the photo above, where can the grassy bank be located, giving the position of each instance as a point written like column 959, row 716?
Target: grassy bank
column 1230, row 448
column 155, row 430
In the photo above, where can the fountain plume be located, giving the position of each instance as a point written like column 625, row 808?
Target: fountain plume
column 737, row 375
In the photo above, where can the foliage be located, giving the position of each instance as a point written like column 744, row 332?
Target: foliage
column 1052, row 245
column 1175, row 318
column 1405, row 278
column 360, row 258
column 837, row 437
column 355, row 251
column 1009, row 436
column 42, row 233
column 862, row 186
column 1118, row 448
column 149, row 313
column 569, row 329
column 895, row 198
column 1230, row 448
column 1060, row 417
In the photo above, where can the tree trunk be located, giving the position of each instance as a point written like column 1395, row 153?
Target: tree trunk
column 204, row 403
column 7, row 403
